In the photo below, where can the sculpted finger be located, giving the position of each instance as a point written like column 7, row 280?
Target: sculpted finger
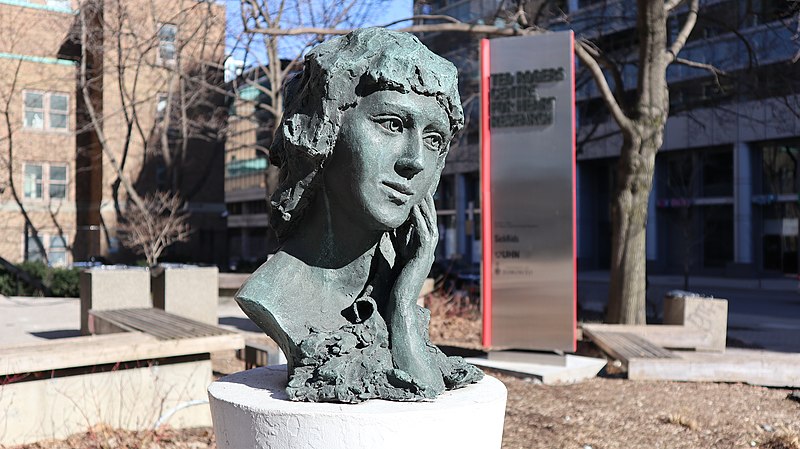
column 432, row 209
column 421, row 224
column 429, row 213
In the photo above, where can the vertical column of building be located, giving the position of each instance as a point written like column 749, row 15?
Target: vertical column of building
column 460, row 187
column 742, row 204
column 89, row 154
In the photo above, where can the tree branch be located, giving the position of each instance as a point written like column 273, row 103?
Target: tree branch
column 96, row 125
column 672, row 4
column 611, row 66
column 686, row 30
column 701, row 65
column 616, row 111
column 438, row 27
column 425, row 17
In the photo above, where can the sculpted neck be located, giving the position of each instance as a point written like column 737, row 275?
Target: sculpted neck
column 331, row 240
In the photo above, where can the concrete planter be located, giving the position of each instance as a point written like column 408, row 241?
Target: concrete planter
column 709, row 315
column 112, row 287
column 187, row 290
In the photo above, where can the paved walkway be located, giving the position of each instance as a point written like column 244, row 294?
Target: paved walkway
column 24, row 319
column 762, row 313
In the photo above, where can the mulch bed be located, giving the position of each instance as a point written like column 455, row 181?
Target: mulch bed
column 602, row 413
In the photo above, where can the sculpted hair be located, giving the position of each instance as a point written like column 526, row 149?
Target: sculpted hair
column 336, row 74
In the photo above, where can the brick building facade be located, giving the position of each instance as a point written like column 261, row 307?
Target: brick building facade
column 149, row 74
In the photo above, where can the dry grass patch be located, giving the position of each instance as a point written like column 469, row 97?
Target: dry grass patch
column 783, row 439
column 105, row 437
column 681, row 420
column 455, row 319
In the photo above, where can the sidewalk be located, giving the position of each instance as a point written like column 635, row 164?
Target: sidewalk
column 25, row 319
column 704, row 282
column 761, row 312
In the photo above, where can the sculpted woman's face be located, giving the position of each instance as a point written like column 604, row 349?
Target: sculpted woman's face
column 386, row 158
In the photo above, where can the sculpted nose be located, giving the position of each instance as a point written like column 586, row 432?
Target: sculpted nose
column 411, row 161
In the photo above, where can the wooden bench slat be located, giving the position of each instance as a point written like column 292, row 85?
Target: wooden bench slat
column 140, row 324
column 627, row 346
column 664, row 335
column 143, row 325
column 156, row 322
column 195, row 328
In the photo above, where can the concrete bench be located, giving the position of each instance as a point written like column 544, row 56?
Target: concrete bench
column 130, row 380
column 156, row 322
column 626, row 346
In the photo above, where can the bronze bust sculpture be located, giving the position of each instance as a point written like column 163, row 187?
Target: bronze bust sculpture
column 361, row 147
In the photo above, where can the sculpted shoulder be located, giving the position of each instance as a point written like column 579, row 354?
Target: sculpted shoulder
column 280, row 275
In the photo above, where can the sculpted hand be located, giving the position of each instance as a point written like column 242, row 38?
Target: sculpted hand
column 415, row 246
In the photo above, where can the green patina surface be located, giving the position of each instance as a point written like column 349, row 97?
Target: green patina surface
column 45, row 7
column 366, row 130
column 37, row 59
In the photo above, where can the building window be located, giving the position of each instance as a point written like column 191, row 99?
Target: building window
column 32, row 251
column 57, row 251
column 55, row 246
column 167, row 35
column 718, row 173
column 33, row 181
column 780, row 210
column 58, row 182
column 44, row 181
column 34, row 110
column 717, row 235
column 58, row 110
column 46, row 110
column 779, row 169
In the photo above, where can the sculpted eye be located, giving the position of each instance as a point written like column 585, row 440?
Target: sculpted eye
column 434, row 141
column 391, row 124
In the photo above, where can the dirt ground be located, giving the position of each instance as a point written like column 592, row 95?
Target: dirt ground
column 602, row 413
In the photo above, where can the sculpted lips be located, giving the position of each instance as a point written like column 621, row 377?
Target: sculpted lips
column 399, row 193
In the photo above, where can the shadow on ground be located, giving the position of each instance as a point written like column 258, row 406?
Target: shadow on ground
column 61, row 333
column 243, row 324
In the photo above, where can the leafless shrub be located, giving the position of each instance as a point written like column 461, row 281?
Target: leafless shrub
column 455, row 319
column 152, row 229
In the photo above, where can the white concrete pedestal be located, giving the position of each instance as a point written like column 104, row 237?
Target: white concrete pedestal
column 250, row 410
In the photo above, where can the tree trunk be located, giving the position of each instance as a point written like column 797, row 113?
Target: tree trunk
column 642, row 138
column 629, row 221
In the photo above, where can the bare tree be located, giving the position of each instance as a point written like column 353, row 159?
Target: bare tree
column 641, row 117
column 151, row 230
column 262, row 51
column 149, row 91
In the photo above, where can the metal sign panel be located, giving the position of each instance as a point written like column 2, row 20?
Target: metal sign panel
column 528, row 188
